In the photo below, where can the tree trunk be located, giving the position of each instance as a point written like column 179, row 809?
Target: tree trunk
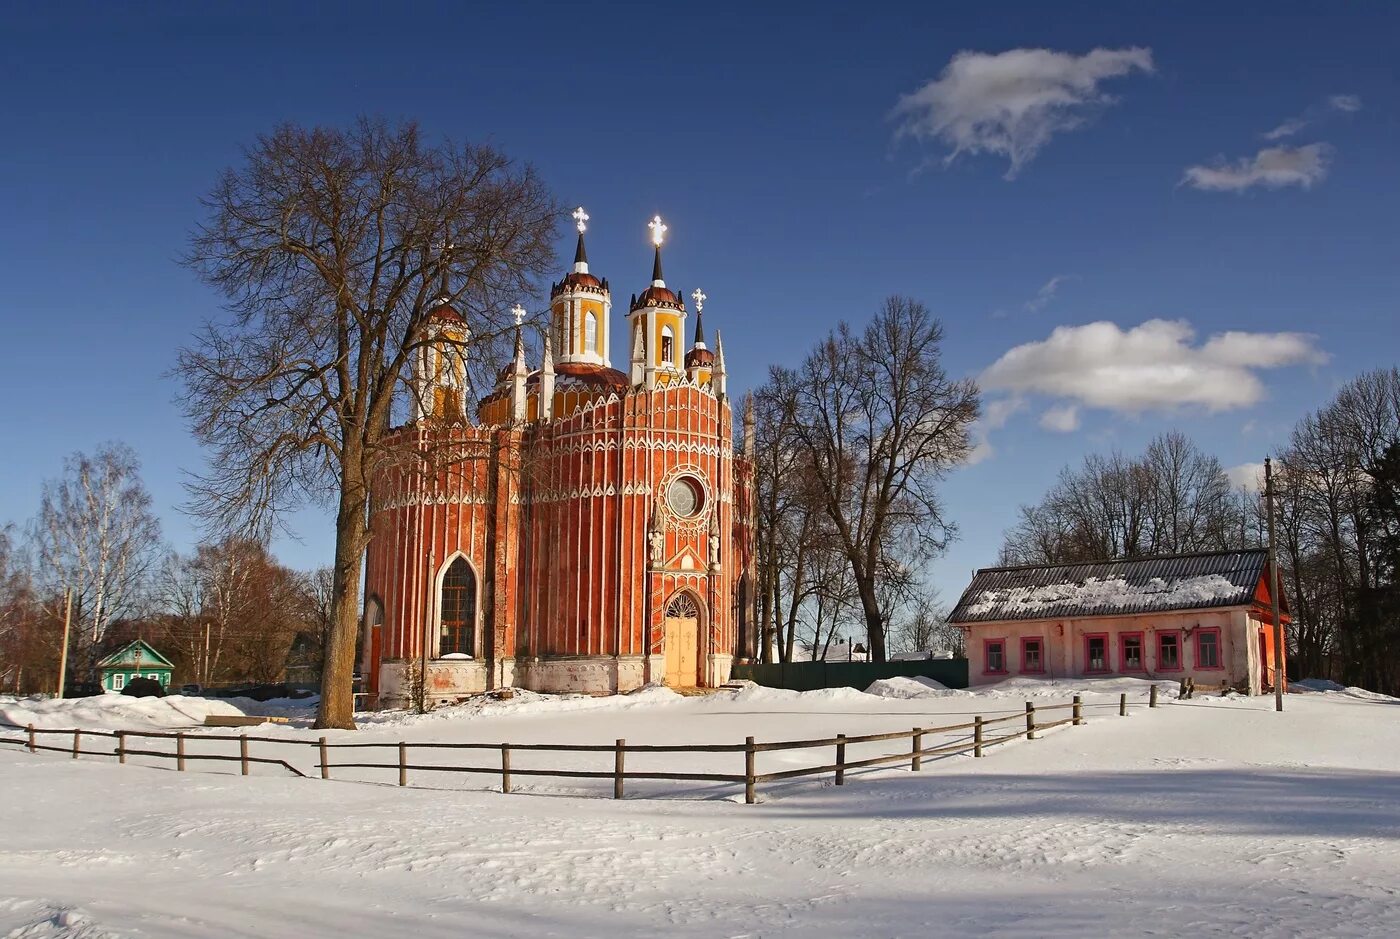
column 337, row 708
column 874, row 620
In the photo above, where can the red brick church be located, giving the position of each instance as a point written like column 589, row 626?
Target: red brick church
column 589, row 530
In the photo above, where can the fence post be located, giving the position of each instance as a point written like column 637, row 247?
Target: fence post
column 618, row 763
column 1123, row 704
column 505, row 767
column 749, row 753
column 1152, row 696
column 977, row 736
column 180, row 750
column 1078, row 711
column 325, row 769
column 77, row 742
column 121, row 746
column 33, row 744
column 1030, row 720
column 918, row 762
column 243, row 752
column 840, row 759
column 403, row 763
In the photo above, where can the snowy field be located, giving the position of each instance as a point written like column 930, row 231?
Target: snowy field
column 1207, row 817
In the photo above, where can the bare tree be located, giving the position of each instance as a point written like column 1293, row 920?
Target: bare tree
column 333, row 248
column 1174, row 499
column 880, row 423
column 96, row 534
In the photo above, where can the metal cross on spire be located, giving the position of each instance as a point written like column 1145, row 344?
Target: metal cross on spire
column 699, row 297
column 580, row 219
column 658, row 231
column 518, row 312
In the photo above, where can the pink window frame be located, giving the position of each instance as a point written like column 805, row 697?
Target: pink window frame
column 1180, row 665
column 1123, row 651
column 1107, row 654
column 1219, row 665
column 986, row 659
column 1033, row 671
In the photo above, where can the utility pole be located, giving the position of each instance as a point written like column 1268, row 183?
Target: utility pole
column 63, row 650
column 1273, row 585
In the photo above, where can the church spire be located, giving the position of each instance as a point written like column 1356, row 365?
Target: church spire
column 658, row 232
column 518, row 371
column 699, row 297
column 580, row 253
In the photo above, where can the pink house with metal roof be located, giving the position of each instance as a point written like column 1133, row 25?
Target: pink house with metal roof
column 1203, row 616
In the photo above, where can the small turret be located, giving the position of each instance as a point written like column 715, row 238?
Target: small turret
column 719, row 378
column 518, row 372
column 546, row 406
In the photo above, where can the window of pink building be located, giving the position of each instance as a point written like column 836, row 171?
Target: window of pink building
column 1130, row 652
column 1032, row 654
column 994, row 657
column 1169, row 651
column 1208, row 648
column 1096, row 652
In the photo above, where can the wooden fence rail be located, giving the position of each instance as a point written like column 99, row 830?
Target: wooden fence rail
column 977, row 742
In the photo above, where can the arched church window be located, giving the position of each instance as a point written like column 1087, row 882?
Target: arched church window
column 590, row 333
column 458, row 608
column 668, row 345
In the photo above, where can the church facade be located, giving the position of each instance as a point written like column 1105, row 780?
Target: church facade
column 587, row 530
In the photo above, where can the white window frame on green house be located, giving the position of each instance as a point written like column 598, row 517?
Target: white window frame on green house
column 118, row 681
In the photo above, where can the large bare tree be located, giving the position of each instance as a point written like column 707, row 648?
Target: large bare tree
column 878, row 423
column 332, row 248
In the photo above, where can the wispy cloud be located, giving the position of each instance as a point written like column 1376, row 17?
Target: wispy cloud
column 994, row 417
column 1271, row 168
column 1012, row 103
column 1046, row 293
column 1248, row 476
column 1154, row 366
column 1348, row 104
column 1063, row 419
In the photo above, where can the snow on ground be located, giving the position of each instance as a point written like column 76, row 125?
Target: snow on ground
column 111, row 712
column 1214, row 816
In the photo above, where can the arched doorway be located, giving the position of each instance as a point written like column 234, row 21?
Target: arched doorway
column 681, row 632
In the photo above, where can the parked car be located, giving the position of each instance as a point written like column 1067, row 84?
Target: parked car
column 82, row 689
column 193, row 689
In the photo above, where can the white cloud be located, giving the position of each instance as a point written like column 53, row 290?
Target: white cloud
column 1345, row 103
column 1153, row 366
column 1248, row 476
column 1272, row 168
column 1046, row 293
column 1287, row 129
column 994, row 417
column 1011, row 103
column 1063, row 419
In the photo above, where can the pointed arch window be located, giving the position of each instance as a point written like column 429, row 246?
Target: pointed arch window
column 590, row 333
column 668, row 346
column 458, row 610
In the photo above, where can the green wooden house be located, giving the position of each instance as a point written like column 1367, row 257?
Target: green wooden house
column 136, row 659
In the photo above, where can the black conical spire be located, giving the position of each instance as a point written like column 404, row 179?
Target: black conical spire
column 656, row 267
column 699, row 327
column 581, row 254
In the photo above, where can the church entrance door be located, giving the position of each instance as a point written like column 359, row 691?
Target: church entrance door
column 682, row 638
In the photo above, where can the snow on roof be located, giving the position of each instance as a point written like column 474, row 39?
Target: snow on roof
column 1110, row 588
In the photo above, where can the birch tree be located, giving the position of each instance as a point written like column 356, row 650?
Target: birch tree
column 97, row 535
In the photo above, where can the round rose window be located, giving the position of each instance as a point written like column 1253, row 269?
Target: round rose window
column 685, row 496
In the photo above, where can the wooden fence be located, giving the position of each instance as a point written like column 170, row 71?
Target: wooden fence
column 979, row 737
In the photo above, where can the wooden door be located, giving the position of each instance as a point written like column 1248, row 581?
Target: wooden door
column 681, row 635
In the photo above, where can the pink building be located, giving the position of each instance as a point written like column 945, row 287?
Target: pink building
column 1203, row 616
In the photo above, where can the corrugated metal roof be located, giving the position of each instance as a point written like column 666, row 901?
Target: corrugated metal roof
column 1112, row 588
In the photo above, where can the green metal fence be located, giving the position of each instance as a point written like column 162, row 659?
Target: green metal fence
column 810, row 676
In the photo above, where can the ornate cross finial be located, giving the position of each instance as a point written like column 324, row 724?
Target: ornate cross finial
column 580, row 219
column 658, row 231
column 699, row 297
column 518, row 312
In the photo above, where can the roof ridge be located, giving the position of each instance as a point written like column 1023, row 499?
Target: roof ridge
column 1125, row 560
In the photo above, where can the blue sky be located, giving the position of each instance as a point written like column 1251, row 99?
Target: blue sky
column 769, row 141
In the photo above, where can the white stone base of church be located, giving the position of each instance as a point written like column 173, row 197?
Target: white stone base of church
column 450, row 680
